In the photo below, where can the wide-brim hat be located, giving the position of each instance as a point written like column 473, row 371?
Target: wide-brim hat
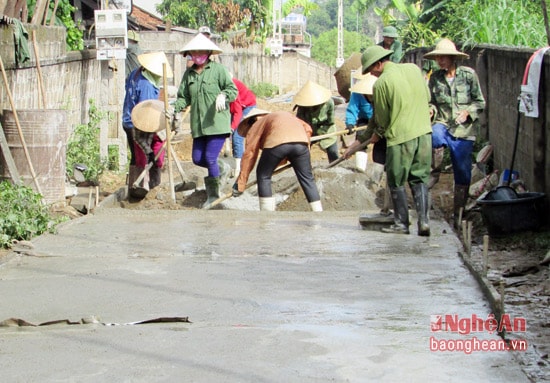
column 244, row 125
column 365, row 85
column 153, row 63
column 390, row 31
column 372, row 55
column 201, row 43
column 148, row 116
column 445, row 47
column 312, row 94
column 358, row 74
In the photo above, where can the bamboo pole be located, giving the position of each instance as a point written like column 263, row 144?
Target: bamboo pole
column 168, row 135
column 19, row 130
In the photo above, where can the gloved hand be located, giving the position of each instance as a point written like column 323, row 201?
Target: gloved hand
column 151, row 157
column 220, row 102
column 169, row 113
column 350, row 128
column 235, row 190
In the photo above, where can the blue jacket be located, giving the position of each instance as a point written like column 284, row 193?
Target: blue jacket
column 138, row 89
column 359, row 108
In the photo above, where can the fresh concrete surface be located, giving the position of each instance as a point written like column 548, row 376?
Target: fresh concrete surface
column 271, row 296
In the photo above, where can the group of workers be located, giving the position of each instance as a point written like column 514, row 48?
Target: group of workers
column 409, row 118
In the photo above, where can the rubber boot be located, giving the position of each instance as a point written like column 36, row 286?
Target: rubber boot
column 421, row 197
column 267, row 203
column 400, row 212
column 225, row 171
column 237, row 170
column 316, row 206
column 212, row 186
column 154, row 177
column 142, row 189
column 437, row 163
column 459, row 201
column 386, row 208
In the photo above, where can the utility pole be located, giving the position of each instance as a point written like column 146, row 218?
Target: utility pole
column 340, row 54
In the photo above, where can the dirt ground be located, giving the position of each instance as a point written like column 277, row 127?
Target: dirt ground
column 513, row 262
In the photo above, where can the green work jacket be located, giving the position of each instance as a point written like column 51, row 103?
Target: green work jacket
column 321, row 119
column 199, row 91
column 401, row 108
column 448, row 100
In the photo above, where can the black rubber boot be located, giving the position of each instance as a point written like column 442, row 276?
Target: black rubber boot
column 400, row 212
column 212, row 186
column 437, row 163
column 421, row 197
column 154, row 177
column 461, row 193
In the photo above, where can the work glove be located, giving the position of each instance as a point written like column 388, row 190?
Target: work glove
column 169, row 113
column 151, row 157
column 235, row 190
column 350, row 128
column 220, row 102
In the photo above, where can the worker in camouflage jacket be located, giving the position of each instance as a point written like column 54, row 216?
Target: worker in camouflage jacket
column 314, row 105
column 456, row 103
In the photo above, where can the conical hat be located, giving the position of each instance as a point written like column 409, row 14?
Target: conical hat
column 312, row 94
column 148, row 116
column 244, row 125
column 153, row 63
column 358, row 75
column 201, row 43
column 445, row 47
column 365, row 85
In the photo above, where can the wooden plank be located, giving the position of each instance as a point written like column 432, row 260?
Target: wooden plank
column 5, row 149
column 39, row 9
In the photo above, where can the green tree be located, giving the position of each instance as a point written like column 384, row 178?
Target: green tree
column 64, row 18
column 324, row 47
column 407, row 16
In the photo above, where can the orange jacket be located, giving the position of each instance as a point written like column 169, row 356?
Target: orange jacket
column 270, row 131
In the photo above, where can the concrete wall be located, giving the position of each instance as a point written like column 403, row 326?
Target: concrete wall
column 501, row 70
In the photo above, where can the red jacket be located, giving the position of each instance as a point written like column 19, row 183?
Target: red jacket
column 245, row 98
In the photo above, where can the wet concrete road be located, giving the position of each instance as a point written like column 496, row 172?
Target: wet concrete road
column 272, row 297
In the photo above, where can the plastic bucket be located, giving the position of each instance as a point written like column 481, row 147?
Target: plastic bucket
column 45, row 133
column 502, row 216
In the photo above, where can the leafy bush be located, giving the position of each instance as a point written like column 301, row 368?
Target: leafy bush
column 22, row 214
column 264, row 89
column 83, row 146
column 501, row 22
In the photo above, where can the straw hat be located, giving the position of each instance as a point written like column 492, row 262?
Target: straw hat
column 390, row 31
column 445, row 47
column 201, row 43
column 153, row 63
column 148, row 116
column 244, row 125
column 372, row 55
column 365, row 85
column 358, row 75
column 312, row 94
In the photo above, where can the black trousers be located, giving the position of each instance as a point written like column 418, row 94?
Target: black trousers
column 299, row 157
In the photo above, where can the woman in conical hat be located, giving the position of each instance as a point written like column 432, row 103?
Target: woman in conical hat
column 314, row 105
column 456, row 103
column 143, row 84
column 207, row 88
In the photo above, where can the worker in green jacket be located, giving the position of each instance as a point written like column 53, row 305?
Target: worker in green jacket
column 207, row 88
column 402, row 116
column 390, row 42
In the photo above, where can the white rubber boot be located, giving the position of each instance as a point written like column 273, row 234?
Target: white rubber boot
column 237, row 167
column 267, row 203
column 316, row 206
